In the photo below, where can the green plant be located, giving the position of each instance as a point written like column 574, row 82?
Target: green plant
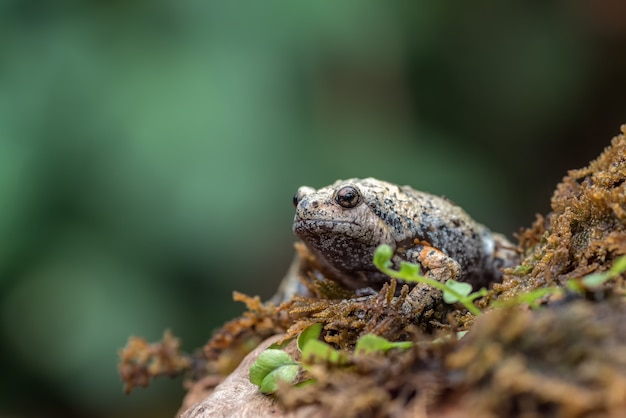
column 274, row 365
column 453, row 291
column 578, row 285
column 595, row 280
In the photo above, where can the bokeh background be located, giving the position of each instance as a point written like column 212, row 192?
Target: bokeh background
column 150, row 149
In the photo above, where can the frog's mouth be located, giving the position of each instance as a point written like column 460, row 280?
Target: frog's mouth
column 308, row 224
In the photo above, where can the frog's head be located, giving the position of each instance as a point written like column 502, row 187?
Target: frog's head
column 344, row 223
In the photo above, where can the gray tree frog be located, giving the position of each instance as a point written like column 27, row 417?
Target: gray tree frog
column 342, row 224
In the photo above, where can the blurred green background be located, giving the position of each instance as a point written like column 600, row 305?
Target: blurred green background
column 149, row 152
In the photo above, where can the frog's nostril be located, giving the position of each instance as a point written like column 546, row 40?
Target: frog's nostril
column 315, row 204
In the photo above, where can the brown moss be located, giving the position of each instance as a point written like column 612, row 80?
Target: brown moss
column 584, row 233
column 140, row 361
column 345, row 316
column 569, row 361
column 374, row 385
column 231, row 343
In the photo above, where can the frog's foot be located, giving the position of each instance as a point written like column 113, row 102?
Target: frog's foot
column 437, row 266
column 421, row 298
column 435, row 263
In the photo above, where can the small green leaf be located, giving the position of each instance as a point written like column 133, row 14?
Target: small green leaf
column 287, row 373
column 523, row 269
column 270, row 367
column 316, row 351
column 482, row 292
column 312, row 333
column 382, row 256
column 370, row 343
column 598, row 279
column 306, row 382
column 595, row 280
column 575, row 285
column 460, row 334
column 531, row 298
column 409, row 271
column 619, row 266
column 461, row 288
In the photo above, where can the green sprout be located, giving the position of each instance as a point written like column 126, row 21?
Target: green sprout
column 579, row 285
column 275, row 365
column 272, row 366
column 315, row 351
column 595, row 280
column 371, row 343
column 453, row 291
column 532, row 298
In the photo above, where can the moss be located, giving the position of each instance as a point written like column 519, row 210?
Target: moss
column 567, row 361
column 584, row 233
column 141, row 362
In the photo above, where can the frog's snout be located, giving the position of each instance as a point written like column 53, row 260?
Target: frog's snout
column 307, row 208
column 308, row 204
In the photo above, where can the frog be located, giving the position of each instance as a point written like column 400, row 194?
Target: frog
column 342, row 225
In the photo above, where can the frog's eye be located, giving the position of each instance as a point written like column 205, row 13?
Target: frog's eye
column 348, row 197
column 296, row 199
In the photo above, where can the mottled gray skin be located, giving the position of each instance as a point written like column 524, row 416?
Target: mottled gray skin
column 413, row 223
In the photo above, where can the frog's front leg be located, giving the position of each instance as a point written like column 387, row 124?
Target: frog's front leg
column 435, row 263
